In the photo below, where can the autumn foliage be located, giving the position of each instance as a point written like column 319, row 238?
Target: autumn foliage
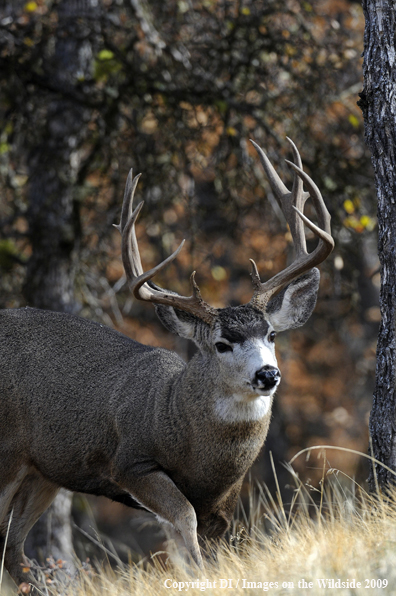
column 175, row 90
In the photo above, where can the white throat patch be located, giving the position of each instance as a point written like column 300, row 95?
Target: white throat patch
column 237, row 409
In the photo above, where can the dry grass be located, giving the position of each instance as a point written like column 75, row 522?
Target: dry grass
column 335, row 532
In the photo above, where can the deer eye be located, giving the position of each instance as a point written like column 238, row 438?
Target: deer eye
column 272, row 336
column 221, row 347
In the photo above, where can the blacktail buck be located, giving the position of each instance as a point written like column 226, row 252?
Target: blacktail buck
column 86, row 408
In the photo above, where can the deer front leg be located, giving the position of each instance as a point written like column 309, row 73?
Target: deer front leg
column 160, row 495
column 213, row 522
column 33, row 497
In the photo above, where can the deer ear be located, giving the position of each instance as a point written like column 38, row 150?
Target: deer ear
column 177, row 321
column 293, row 306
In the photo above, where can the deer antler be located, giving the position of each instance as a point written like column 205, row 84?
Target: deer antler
column 292, row 204
column 138, row 280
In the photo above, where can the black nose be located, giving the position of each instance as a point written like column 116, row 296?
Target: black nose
column 267, row 377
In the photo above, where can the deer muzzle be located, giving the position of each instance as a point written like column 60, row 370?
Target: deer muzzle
column 267, row 377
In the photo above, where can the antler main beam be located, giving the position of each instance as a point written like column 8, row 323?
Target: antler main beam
column 138, row 279
column 292, row 204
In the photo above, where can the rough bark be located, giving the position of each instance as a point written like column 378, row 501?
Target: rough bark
column 53, row 216
column 378, row 104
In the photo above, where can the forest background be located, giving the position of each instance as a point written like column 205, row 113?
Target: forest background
column 175, row 90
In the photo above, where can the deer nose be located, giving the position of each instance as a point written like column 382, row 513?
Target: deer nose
column 267, row 377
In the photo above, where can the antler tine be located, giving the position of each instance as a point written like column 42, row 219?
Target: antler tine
column 316, row 196
column 127, row 214
column 298, row 199
column 292, row 205
column 287, row 199
column 297, row 182
column 137, row 279
column 129, row 247
column 127, row 204
column 278, row 188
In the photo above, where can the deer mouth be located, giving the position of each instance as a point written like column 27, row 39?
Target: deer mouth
column 259, row 391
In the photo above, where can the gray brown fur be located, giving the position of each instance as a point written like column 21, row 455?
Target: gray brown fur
column 85, row 408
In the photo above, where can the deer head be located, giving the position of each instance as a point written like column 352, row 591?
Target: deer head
column 239, row 341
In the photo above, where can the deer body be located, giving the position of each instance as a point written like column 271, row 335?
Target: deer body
column 105, row 427
column 85, row 408
column 158, row 420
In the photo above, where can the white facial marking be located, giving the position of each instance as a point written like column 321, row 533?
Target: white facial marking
column 263, row 355
column 246, row 400
column 254, row 355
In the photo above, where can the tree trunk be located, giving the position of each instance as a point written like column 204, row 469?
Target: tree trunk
column 378, row 104
column 53, row 215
